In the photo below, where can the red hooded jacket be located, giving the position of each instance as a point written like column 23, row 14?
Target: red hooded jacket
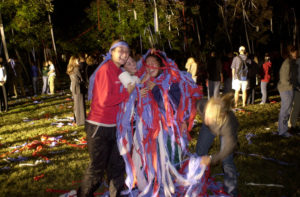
column 265, row 77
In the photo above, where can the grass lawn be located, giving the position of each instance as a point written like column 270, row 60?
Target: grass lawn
column 54, row 159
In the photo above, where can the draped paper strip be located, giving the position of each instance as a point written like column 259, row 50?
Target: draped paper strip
column 156, row 28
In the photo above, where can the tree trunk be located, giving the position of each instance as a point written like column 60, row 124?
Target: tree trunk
column 3, row 38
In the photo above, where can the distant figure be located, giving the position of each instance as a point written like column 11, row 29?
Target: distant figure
column 251, row 77
column 3, row 95
column 78, row 97
column 51, row 77
column 239, row 75
column 202, row 76
column 227, row 74
column 215, row 76
column 83, row 72
column 45, row 71
column 191, row 67
column 265, row 78
column 296, row 101
column 285, row 88
column 34, row 75
column 15, row 77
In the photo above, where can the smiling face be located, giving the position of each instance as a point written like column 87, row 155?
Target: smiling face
column 154, row 70
column 130, row 66
column 119, row 55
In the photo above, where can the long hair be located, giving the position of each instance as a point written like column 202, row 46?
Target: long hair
column 72, row 64
column 216, row 109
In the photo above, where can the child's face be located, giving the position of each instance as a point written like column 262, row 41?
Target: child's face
column 130, row 66
column 154, row 70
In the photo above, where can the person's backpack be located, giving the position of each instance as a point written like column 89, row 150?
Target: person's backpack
column 242, row 70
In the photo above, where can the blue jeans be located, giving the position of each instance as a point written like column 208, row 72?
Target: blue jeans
column 204, row 142
column 264, row 93
column 285, row 110
column 213, row 88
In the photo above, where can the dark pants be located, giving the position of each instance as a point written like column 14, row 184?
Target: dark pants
column 79, row 108
column 3, row 98
column 285, row 110
column 104, row 157
column 251, row 91
column 213, row 89
column 35, row 85
column 204, row 142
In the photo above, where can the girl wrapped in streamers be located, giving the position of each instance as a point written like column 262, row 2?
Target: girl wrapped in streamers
column 153, row 132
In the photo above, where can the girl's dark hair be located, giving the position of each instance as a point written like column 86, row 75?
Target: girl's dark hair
column 158, row 59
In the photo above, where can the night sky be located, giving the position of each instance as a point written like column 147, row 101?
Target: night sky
column 68, row 14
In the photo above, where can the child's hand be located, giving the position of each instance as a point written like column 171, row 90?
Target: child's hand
column 206, row 160
column 130, row 87
column 144, row 92
column 146, row 78
column 150, row 85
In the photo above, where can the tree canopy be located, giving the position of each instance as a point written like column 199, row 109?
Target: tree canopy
column 191, row 27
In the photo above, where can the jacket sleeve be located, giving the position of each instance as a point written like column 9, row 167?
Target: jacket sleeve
column 228, row 135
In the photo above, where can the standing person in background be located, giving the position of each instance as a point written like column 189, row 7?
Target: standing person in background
column 45, row 71
column 285, row 88
column 215, row 76
column 252, row 72
column 78, row 97
column 296, row 101
column 83, row 72
column 100, row 127
column 15, row 77
column 3, row 95
column 265, row 78
column 227, row 74
column 51, row 77
column 201, row 77
column 191, row 67
column 239, row 75
column 34, row 75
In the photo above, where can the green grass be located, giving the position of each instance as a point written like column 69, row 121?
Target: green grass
column 68, row 163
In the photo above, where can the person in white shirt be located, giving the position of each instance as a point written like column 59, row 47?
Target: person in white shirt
column 3, row 95
column 191, row 67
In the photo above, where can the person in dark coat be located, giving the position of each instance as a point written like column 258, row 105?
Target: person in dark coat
column 252, row 72
column 76, row 81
